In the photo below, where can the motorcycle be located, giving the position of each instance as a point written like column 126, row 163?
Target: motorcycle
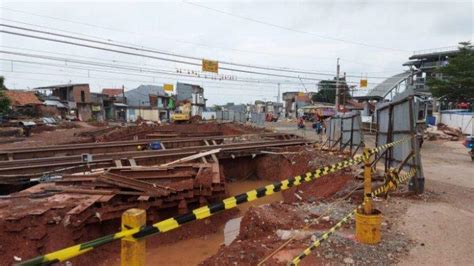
column 469, row 144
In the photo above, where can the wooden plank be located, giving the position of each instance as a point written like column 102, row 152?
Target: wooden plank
column 105, row 198
column 132, row 162
column 84, row 205
column 192, row 157
column 143, row 198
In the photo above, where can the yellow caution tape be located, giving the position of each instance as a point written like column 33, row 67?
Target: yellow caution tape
column 383, row 189
column 203, row 212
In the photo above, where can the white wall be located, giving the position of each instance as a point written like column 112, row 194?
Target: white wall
column 146, row 114
column 462, row 120
column 208, row 115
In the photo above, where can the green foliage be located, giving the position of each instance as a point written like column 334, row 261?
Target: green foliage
column 457, row 78
column 327, row 91
column 216, row 107
column 4, row 101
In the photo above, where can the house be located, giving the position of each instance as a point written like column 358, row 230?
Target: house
column 289, row 99
column 113, row 92
column 193, row 94
column 76, row 97
column 150, row 102
column 23, row 101
column 115, row 104
column 98, row 110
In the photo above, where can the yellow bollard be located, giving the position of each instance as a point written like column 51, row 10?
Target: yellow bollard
column 132, row 250
column 368, row 223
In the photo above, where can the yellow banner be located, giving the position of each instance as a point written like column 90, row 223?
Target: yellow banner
column 210, row 66
column 363, row 83
column 168, row 87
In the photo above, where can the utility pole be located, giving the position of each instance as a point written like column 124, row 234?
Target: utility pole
column 337, row 86
column 278, row 96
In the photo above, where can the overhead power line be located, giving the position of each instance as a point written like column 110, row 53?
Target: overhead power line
column 153, row 57
column 295, row 30
column 151, row 50
column 132, row 80
column 142, row 69
column 69, row 61
column 91, row 71
column 161, row 36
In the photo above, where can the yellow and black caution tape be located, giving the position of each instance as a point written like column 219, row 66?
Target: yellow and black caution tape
column 203, row 212
column 383, row 189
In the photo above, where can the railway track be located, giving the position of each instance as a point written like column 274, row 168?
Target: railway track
column 120, row 146
column 17, row 171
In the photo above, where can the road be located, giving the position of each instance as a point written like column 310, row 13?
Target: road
column 442, row 225
column 441, row 221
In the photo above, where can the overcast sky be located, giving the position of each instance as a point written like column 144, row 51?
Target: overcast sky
column 372, row 38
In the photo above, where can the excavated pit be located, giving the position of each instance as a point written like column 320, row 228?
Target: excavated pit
column 46, row 231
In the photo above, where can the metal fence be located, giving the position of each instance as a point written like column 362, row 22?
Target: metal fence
column 345, row 131
column 240, row 117
column 396, row 121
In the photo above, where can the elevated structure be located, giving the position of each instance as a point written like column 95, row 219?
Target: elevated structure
column 388, row 88
column 422, row 66
column 424, row 63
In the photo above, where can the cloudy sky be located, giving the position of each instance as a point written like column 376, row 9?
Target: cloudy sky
column 372, row 38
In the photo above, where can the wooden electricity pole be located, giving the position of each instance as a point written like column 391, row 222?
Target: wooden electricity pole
column 337, row 85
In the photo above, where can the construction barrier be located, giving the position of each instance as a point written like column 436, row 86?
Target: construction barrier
column 382, row 189
column 203, row 212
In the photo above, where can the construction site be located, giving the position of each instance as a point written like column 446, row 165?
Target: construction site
column 124, row 143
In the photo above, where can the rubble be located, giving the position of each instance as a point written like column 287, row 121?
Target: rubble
column 444, row 132
column 261, row 233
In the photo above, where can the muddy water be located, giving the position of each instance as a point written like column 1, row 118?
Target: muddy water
column 193, row 251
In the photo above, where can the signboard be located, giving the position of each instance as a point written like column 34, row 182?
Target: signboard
column 363, row 83
column 210, row 66
column 168, row 87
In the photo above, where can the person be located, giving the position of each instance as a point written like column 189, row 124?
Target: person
column 318, row 126
column 301, row 122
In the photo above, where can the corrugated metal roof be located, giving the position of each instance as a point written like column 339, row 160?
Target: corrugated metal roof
column 141, row 95
column 61, row 86
column 56, row 103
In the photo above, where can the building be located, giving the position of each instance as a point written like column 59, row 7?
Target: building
column 115, row 104
column 190, row 93
column 149, row 102
column 240, row 108
column 424, row 63
column 294, row 100
column 25, row 102
column 76, row 97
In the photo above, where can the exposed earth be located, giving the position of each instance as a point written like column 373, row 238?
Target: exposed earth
column 434, row 228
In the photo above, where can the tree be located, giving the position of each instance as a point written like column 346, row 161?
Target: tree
column 455, row 81
column 327, row 90
column 4, row 101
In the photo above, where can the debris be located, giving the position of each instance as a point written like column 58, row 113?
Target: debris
column 348, row 261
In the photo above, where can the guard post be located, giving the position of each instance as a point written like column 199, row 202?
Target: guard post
column 367, row 182
column 132, row 250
